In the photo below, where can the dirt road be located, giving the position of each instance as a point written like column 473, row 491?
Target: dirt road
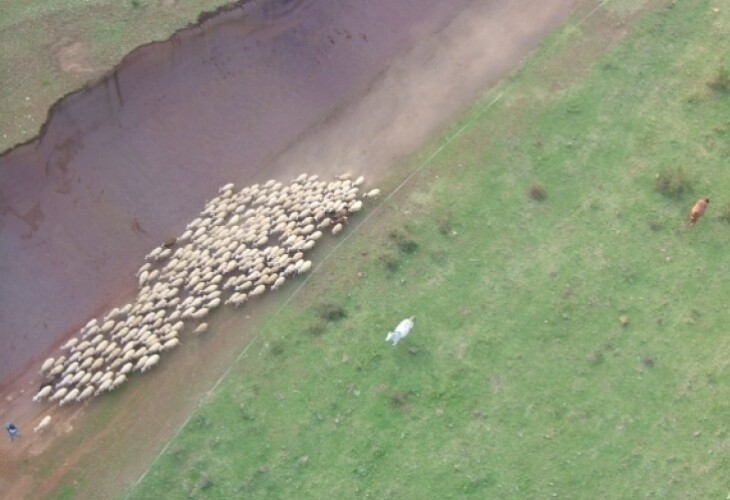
column 268, row 90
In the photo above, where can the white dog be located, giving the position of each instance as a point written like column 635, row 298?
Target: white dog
column 403, row 329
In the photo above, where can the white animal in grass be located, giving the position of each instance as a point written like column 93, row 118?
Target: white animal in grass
column 403, row 329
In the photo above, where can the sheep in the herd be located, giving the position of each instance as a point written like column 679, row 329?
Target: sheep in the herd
column 78, row 376
column 47, row 365
column 119, row 380
column 66, row 380
column 42, row 425
column 71, row 342
column 150, row 362
column 201, row 313
column 101, row 346
column 56, row 370
column 98, row 363
column 85, row 379
column 355, row 206
column 279, row 281
column 140, row 363
column 169, row 344
column 103, row 386
column 70, row 369
column 86, row 393
column 43, row 393
column 243, row 241
column 126, row 368
column 58, row 394
column 71, row 396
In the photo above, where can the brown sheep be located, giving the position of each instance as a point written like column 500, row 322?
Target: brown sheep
column 698, row 210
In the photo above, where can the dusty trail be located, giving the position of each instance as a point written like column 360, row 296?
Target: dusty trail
column 264, row 91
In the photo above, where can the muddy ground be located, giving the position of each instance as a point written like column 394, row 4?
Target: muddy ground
column 268, row 90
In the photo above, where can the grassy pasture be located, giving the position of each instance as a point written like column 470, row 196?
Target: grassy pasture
column 53, row 47
column 573, row 345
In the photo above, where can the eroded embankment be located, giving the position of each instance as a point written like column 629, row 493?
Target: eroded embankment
column 122, row 164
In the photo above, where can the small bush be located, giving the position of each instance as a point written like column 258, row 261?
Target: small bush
column 330, row 311
column 721, row 81
column 537, row 192
column 317, row 328
column 205, row 481
column 403, row 241
column 673, row 184
column 390, row 260
column 136, row 4
column 277, row 347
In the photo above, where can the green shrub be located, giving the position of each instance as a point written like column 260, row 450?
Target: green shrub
column 673, row 184
column 330, row 311
column 403, row 241
column 721, row 81
column 537, row 192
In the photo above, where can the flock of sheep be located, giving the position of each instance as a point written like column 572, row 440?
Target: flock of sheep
column 242, row 244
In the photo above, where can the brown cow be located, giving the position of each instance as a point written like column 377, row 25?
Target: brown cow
column 698, row 210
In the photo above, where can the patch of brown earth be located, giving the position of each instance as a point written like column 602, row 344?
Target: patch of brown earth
column 74, row 58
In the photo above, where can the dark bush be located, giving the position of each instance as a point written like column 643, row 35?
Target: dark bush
column 721, row 81
column 330, row 311
column 390, row 260
column 673, row 184
column 537, row 192
column 403, row 241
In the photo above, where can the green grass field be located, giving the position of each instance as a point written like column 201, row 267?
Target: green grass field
column 51, row 48
column 572, row 346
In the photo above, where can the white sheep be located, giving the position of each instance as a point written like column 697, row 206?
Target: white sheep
column 43, row 393
column 202, row 327
column 87, row 392
column 151, row 361
column 336, row 229
column 42, row 424
column 169, row 344
column 402, row 330
column 58, row 394
column 47, row 365
column 71, row 396
column 119, row 380
column 104, row 386
column 372, row 193
column 126, row 368
column 71, row 342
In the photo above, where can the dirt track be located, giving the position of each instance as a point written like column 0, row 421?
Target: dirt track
column 260, row 92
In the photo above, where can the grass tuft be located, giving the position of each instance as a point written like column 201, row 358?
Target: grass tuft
column 674, row 184
column 721, row 81
column 403, row 240
column 390, row 260
column 331, row 311
column 537, row 192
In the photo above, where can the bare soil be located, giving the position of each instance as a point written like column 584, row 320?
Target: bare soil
column 267, row 90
